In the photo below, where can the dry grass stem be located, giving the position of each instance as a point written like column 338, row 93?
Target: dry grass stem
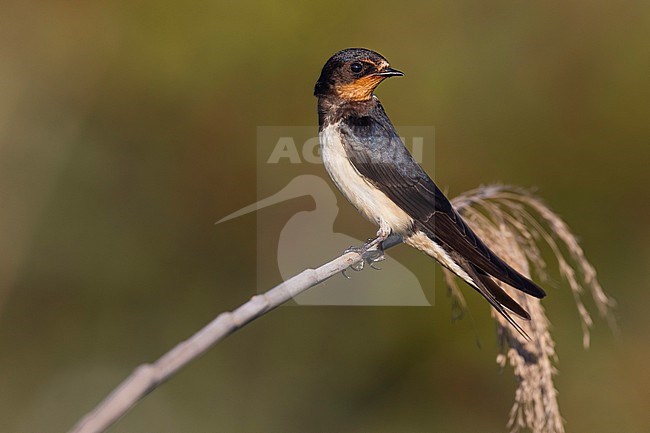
column 515, row 223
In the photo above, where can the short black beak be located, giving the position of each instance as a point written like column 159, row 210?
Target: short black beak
column 390, row 72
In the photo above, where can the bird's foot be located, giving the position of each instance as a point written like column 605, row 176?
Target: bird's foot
column 374, row 256
column 357, row 266
column 371, row 253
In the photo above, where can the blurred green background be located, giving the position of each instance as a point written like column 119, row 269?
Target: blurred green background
column 128, row 128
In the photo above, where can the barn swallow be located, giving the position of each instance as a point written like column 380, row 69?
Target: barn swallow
column 372, row 168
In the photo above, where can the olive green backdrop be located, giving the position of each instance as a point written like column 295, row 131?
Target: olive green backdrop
column 128, row 128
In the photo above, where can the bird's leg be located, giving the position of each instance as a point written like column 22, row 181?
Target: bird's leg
column 382, row 234
column 375, row 251
column 371, row 252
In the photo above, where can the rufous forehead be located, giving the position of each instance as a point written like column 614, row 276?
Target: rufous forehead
column 382, row 64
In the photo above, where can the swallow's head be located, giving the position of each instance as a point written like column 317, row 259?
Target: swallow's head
column 353, row 74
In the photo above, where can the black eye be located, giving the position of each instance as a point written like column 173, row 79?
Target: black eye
column 356, row 67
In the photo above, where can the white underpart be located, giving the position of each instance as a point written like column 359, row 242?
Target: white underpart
column 370, row 201
column 423, row 243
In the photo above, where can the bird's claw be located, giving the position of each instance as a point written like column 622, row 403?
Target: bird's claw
column 357, row 266
column 374, row 256
column 359, row 250
column 370, row 254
